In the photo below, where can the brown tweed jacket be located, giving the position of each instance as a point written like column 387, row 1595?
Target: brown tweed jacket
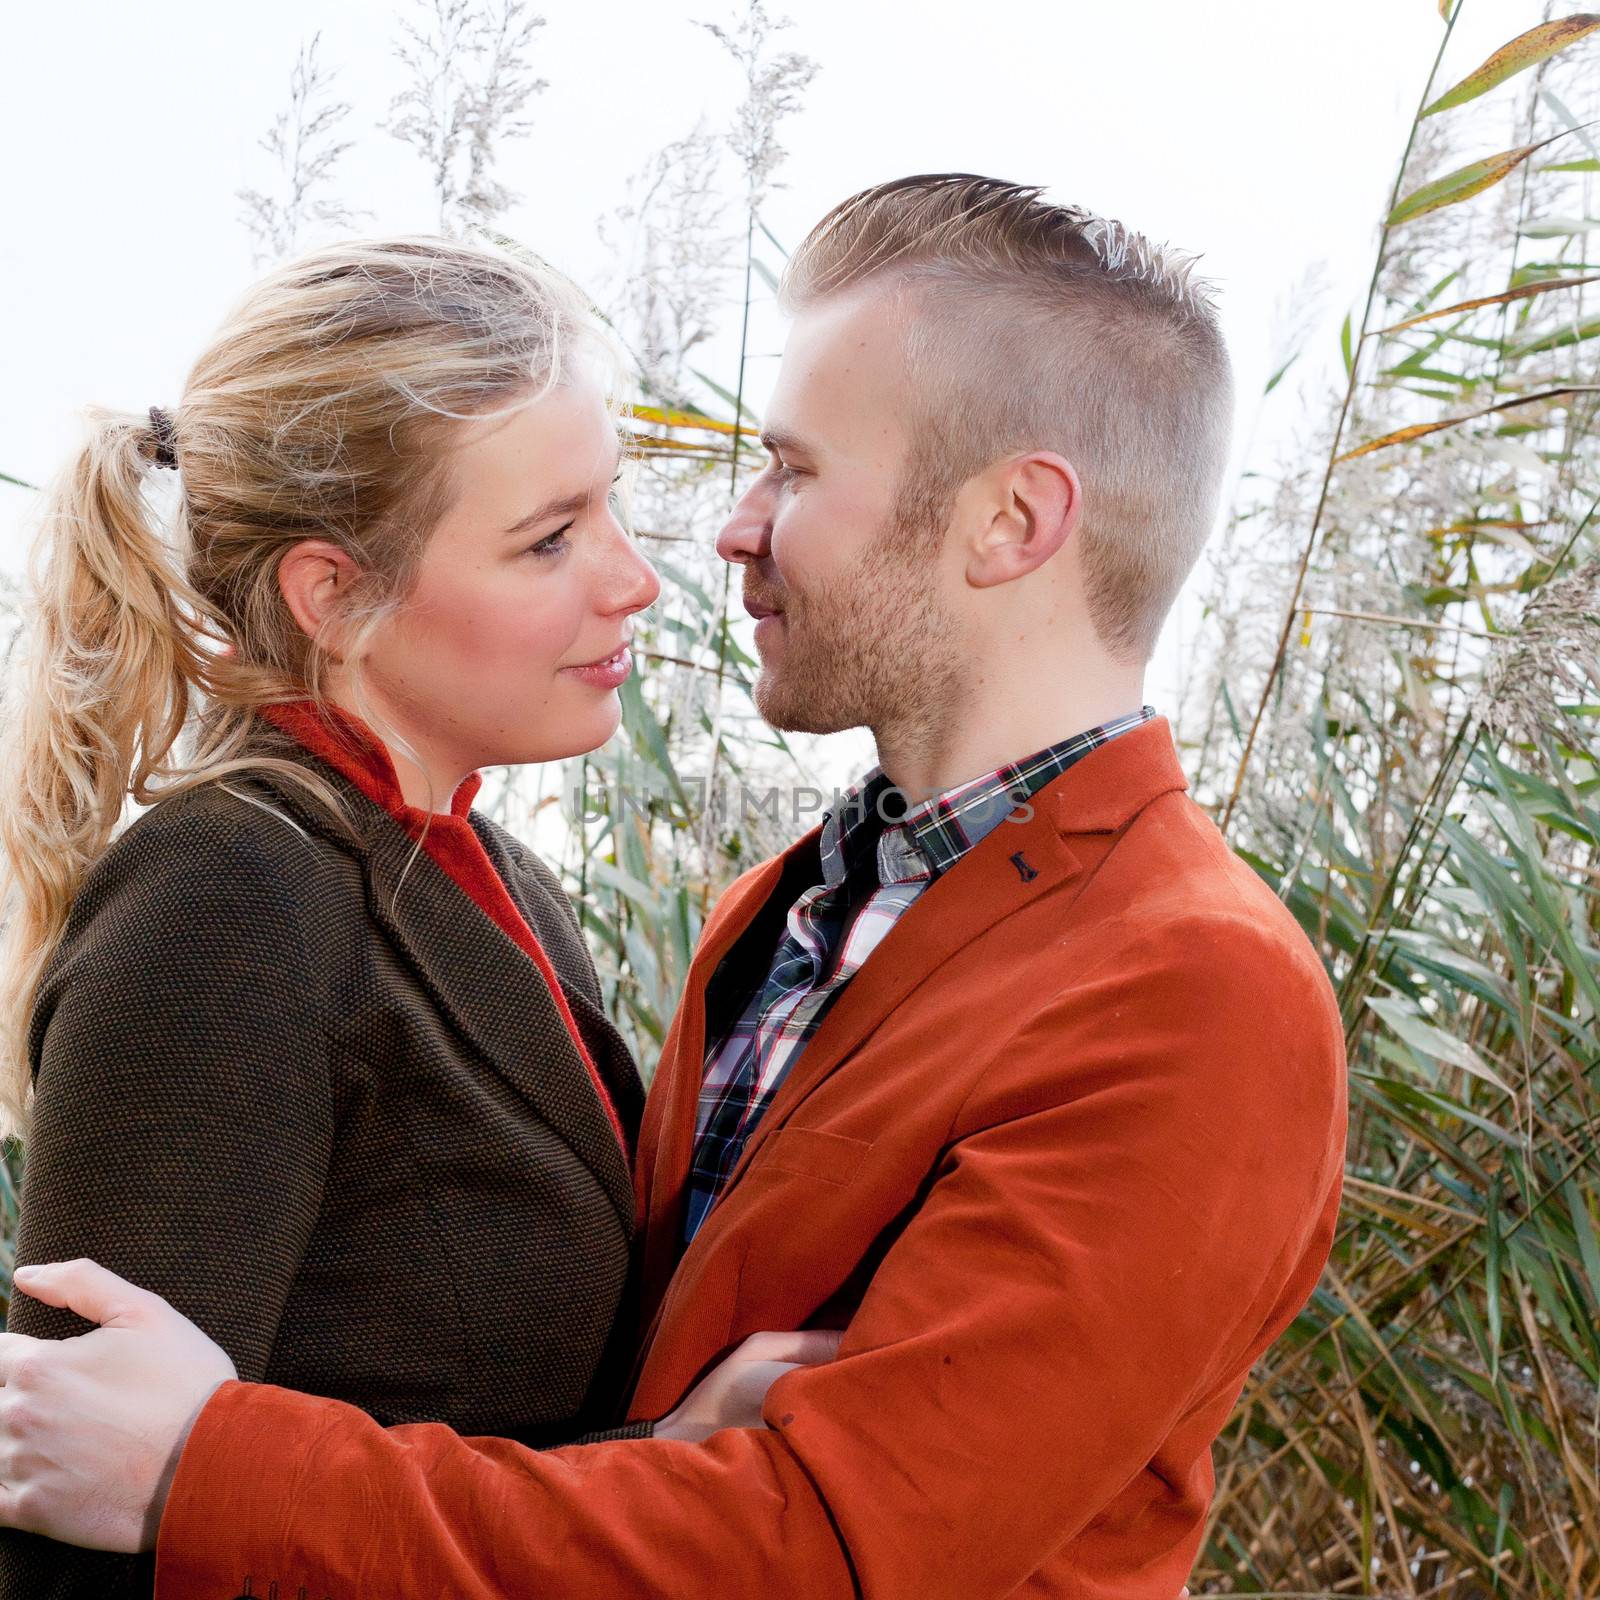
column 293, row 1079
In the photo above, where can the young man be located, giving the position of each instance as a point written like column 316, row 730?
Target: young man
column 1033, row 1087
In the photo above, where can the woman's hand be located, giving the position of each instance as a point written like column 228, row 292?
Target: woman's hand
column 91, row 1428
column 732, row 1393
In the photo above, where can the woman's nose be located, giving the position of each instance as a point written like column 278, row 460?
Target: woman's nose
column 636, row 584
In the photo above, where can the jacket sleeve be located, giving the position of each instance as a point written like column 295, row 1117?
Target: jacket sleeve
column 1136, row 1199
column 182, row 1117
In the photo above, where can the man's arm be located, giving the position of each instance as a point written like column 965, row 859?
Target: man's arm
column 1135, row 1200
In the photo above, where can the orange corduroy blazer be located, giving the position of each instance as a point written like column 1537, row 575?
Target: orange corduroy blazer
column 1064, row 1159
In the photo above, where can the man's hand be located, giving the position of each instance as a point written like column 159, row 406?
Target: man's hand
column 91, row 1428
column 732, row 1393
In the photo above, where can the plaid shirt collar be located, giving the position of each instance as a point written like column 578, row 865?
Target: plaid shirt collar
column 929, row 838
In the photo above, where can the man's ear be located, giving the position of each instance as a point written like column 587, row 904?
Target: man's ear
column 314, row 577
column 1031, row 506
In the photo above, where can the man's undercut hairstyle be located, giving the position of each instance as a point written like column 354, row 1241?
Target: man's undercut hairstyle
column 1034, row 326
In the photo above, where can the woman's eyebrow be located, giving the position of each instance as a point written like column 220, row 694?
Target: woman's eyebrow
column 563, row 505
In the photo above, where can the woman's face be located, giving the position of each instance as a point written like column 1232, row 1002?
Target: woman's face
column 528, row 577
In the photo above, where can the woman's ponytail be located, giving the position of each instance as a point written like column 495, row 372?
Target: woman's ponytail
column 114, row 649
column 328, row 406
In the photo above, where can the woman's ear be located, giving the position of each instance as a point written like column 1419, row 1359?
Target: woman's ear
column 315, row 577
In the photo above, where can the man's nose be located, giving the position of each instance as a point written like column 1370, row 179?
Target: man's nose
column 747, row 534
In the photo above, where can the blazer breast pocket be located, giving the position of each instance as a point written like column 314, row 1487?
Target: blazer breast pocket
column 815, row 1153
column 806, row 1222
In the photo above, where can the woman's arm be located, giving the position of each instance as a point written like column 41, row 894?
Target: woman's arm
column 182, row 1115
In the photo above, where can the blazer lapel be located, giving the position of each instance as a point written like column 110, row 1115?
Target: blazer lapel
column 666, row 1138
column 953, row 911
column 948, row 915
column 480, row 979
column 563, row 944
column 1011, row 867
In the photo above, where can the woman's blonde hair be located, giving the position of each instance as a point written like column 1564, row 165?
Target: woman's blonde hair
column 324, row 408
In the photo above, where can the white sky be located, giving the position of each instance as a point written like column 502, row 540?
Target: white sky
column 1262, row 134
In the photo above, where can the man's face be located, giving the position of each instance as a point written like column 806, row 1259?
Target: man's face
column 863, row 632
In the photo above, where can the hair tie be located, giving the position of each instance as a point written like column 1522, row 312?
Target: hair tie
column 166, row 441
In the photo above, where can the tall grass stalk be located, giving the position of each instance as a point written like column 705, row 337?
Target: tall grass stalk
column 1418, row 780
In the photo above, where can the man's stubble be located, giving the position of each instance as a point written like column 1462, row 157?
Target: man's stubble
column 880, row 651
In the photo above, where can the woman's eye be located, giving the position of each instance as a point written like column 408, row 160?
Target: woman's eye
column 552, row 545
column 556, row 542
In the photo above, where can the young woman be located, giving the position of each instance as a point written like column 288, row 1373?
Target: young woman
column 311, row 1048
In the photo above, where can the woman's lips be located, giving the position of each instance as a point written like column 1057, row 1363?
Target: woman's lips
column 607, row 674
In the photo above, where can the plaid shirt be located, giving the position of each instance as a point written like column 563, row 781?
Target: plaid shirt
column 874, row 865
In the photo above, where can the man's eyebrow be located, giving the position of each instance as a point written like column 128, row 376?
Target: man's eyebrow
column 777, row 439
column 561, row 505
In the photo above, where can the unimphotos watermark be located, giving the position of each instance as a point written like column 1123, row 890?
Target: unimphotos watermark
column 781, row 805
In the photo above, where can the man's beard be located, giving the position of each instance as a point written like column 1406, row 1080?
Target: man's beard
column 881, row 652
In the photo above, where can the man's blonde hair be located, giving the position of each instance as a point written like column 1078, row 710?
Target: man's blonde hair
column 1038, row 326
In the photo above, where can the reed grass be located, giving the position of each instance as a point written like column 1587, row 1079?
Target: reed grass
column 1391, row 710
